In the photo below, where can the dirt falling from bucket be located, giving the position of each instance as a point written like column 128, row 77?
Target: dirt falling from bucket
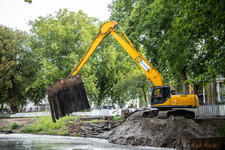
column 66, row 96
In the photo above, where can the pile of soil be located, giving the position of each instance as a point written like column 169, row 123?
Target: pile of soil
column 173, row 132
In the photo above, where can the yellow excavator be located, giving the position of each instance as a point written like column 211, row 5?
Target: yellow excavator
column 161, row 97
column 68, row 94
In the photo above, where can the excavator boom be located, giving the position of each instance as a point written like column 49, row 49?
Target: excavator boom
column 151, row 72
column 161, row 97
column 70, row 93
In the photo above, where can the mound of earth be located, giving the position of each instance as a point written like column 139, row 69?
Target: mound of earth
column 173, row 132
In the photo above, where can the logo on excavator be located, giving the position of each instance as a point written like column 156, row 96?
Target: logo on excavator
column 142, row 63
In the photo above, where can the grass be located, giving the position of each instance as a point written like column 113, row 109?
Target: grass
column 45, row 125
column 2, row 127
column 118, row 118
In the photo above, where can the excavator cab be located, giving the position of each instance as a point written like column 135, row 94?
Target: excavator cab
column 160, row 94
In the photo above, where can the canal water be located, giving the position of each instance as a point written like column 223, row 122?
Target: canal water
column 49, row 142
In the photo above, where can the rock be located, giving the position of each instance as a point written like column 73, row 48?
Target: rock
column 92, row 129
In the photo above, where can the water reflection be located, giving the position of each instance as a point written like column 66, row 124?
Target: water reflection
column 48, row 142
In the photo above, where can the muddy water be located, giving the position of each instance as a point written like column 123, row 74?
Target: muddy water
column 48, row 142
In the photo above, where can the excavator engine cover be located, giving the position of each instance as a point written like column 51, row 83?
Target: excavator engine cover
column 66, row 96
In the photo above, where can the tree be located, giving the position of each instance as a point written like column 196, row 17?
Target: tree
column 134, row 86
column 205, row 20
column 16, row 68
column 121, row 10
column 152, row 23
column 60, row 41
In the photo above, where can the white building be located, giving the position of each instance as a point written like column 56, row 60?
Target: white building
column 219, row 85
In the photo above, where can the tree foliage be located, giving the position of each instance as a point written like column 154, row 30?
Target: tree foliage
column 16, row 68
column 205, row 21
column 60, row 41
column 183, row 39
column 150, row 24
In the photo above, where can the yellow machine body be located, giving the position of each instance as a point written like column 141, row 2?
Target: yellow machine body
column 153, row 75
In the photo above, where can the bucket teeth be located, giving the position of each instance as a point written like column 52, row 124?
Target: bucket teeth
column 66, row 96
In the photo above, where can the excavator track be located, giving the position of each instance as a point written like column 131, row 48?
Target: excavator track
column 167, row 113
column 163, row 114
column 150, row 113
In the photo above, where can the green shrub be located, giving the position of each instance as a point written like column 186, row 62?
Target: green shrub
column 28, row 129
column 14, row 126
column 70, row 122
column 117, row 118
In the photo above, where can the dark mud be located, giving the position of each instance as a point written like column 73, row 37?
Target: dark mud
column 173, row 132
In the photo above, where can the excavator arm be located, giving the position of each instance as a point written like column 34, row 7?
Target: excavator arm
column 66, row 95
column 151, row 72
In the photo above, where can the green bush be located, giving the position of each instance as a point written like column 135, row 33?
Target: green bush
column 28, row 129
column 14, row 126
column 117, row 118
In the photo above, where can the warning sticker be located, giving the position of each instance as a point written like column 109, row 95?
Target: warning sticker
column 142, row 63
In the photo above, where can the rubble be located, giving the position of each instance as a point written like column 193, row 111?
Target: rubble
column 92, row 129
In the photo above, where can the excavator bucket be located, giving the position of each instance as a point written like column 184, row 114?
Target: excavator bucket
column 66, row 96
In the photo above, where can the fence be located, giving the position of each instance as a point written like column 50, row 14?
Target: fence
column 30, row 109
column 214, row 100
column 209, row 110
column 204, row 110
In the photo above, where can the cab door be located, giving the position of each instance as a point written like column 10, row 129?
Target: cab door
column 160, row 95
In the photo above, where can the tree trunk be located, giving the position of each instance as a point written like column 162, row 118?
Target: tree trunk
column 212, row 93
column 209, row 94
column 2, row 111
column 178, row 87
column 145, row 97
column 183, row 79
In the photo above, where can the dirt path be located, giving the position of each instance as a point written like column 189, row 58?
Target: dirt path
column 6, row 123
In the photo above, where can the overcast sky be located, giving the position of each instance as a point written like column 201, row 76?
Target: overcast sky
column 17, row 13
